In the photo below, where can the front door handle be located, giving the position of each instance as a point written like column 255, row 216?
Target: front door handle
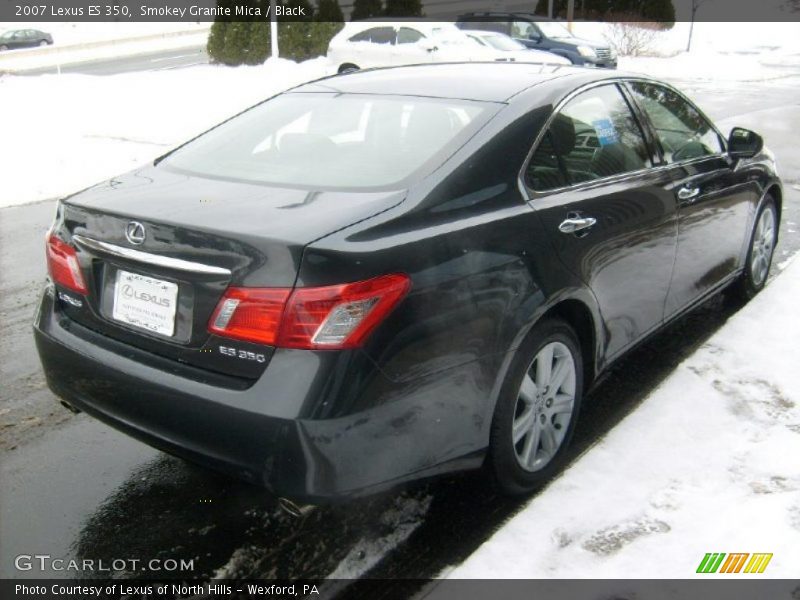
column 688, row 194
column 574, row 223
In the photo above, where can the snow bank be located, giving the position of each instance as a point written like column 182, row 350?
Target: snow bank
column 71, row 131
column 708, row 463
column 745, row 38
column 720, row 51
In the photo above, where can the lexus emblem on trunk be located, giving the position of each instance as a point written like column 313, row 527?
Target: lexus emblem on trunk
column 135, row 233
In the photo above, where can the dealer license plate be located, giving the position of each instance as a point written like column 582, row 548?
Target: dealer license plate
column 145, row 302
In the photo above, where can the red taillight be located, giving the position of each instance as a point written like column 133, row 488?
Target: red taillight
column 62, row 263
column 340, row 316
column 332, row 317
column 250, row 314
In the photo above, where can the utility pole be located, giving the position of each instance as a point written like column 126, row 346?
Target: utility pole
column 549, row 9
column 273, row 29
column 570, row 13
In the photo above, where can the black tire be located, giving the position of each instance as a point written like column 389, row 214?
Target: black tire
column 44, row 43
column 502, row 461
column 348, row 68
column 748, row 285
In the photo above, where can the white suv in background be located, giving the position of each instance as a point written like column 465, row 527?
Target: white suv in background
column 366, row 44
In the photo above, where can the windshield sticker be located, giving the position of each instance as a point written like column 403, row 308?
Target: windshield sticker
column 606, row 134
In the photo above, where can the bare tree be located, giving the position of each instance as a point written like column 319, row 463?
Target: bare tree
column 632, row 38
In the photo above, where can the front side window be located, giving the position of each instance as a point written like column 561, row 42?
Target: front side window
column 683, row 133
column 333, row 141
column 594, row 135
column 376, row 35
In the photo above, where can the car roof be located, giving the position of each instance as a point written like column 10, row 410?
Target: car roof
column 523, row 14
column 487, row 82
column 354, row 26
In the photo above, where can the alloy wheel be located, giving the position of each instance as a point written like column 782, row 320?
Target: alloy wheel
column 763, row 246
column 544, row 408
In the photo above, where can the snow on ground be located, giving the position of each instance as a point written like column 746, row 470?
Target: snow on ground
column 708, row 463
column 745, row 38
column 709, row 65
column 71, row 131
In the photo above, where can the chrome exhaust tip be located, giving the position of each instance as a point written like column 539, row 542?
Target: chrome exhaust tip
column 70, row 408
column 294, row 509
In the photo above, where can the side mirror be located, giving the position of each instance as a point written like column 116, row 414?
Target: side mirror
column 429, row 46
column 743, row 143
column 534, row 37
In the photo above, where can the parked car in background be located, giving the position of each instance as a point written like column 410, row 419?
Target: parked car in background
column 24, row 38
column 515, row 50
column 400, row 272
column 367, row 44
column 542, row 34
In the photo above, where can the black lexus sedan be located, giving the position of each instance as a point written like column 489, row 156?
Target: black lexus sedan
column 397, row 273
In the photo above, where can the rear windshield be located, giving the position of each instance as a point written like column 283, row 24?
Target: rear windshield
column 332, row 140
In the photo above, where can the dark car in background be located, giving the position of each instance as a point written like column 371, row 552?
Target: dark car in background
column 24, row 38
column 397, row 273
column 543, row 34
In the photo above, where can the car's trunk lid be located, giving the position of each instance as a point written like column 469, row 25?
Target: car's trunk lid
column 200, row 236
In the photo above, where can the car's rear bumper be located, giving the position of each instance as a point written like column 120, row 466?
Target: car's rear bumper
column 258, row 433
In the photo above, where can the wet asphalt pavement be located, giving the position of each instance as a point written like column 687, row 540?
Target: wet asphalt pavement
column 73, row 488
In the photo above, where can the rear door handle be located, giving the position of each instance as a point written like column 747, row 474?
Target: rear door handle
column 688, row 194
column 574, row 223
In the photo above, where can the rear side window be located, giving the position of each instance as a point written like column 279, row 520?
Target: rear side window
column 333, row 141
column 376, row 35
column 406, row 35
column 683, row 133
column 594, row 135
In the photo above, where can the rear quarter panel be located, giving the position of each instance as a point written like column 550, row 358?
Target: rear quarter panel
column 477, row 258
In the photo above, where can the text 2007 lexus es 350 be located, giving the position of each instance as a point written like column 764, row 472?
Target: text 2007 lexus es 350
column 391, row 274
